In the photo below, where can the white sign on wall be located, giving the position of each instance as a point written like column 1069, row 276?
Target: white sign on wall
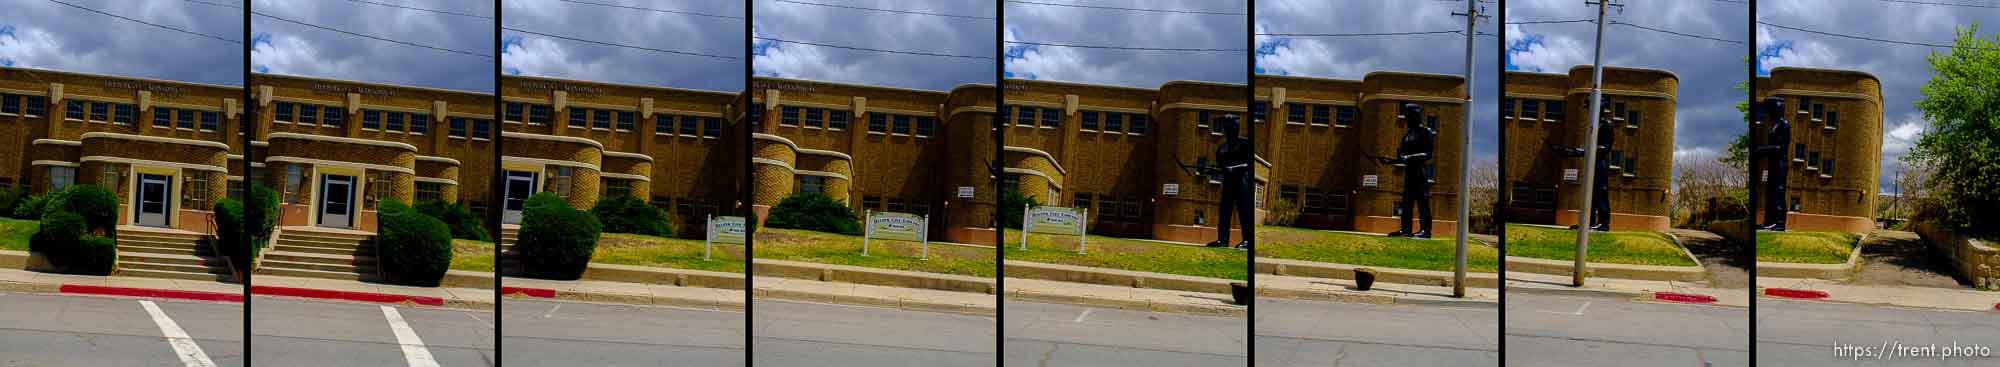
column 1569, row 175
column 1171, row 189
column 965, row 192
column 1369, row 181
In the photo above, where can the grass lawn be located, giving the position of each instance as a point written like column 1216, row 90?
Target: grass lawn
column 14, row 233
column 1378, row 251
column 828, row 248
column 1616, row 247
column 1811, row 247
column 643, row 250
column 469, row 255
column 1129, row 254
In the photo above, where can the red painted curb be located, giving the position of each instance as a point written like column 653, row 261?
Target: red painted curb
column 1794, row 293
column 531, row 292
column 1683, row 297
column 345, row 295
column 149, row 292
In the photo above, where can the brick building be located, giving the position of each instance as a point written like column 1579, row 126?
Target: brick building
column 877, row 148
column 1116, row 151
column 1542, row 109
column 158, row 144
column 679, row 149
column 1318, row 134
column 1836, row 147
column 333, row 149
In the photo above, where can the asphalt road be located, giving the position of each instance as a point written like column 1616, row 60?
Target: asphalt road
column 302, row 332
column 1801, row 333
column 66, row 330
column 811, row 334
column 1308, row 333
column 1041, row 334
column 557, row 333
column 1545, row 330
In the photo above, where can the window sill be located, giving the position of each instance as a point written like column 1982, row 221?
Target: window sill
column 712, row 137
column 1631, row 126
column 601, row 128
column 622, row 130
column 417, row 134
column 1048, row 127
column 368, row 129
column 479, row 139
column 206, row 130
column 458, row 137
column 1825, row 176
column 511, row 122
column 1343, row 126
column 1830, row 128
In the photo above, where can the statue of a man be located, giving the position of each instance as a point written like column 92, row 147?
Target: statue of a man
column 1773, row 154
column 1414, row 153
column 1234, row 157
column 1600, row 178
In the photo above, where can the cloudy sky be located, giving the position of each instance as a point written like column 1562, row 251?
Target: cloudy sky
column 1194, row 27
column 283, row 47
column 1354, row 57
column 1902, row 68
column 713, row 28
column 1705, row 108
column 49, row 35
column 941, row 27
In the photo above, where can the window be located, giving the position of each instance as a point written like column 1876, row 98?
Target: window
column 1555, row 109
column 539, row 114
column 514, row 111
column 898, row 205
column 430, row 191
column 812, row 184
column 878, row 122
column 209, row 120
column 457, row 127
column 1618, row 110
column 1826, row 167
column 1832, row 119
column 815, row 117
column 1819, row 111
column 1010, row 182
column 1316, row 202
column 236, row 190
column 1132, row 208
column 122, row 114
column 334, row 117
column 579, row 117
column 1005, row 115
column 100, row 111
column 295, row 175
column 871, row 202
column 1113, row 122
column 284, row 111
column 10, row 104
column 1617, row 157
column 1322, row 114
column 1799, row 151
column 559, row 180
column 61, row 177
column 378, row 188
column 1531, row 109
column 308, row 113
column 756, row 114
column 600, row 119
column 163, row 117
column 902, row 124
column 836, row 119
column 1026, row 117
column 194, row 191
column 615, row 188
column 1258, row 110
column 1138, row 124
column 420, row 123
column 1295, row 112
column 1632, row 118
column 371, row 119
column 1089, row 120
column 1812, row 160
column 73, row 110
column 1507, row 108
column 185, row 120
column 711, row 127
column 1201, row 121
column 37, row 106
column 663, row 123
column 481, row 127
column 926, row 126
column 395, row 122
column 1082, row 201
column 1343, row 115
column 689, row 125
column 626, row 120
column 1431, row 122
column 1051, row 117
column 788, row 116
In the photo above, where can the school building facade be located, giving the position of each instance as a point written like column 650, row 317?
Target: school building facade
column 1541, row 110
column 877, row 148
column 1321, row 133
column 1836, row 118
column 160, row 145
column 1117, row 152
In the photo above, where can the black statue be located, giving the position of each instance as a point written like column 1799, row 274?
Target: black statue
column 1600, row 178
column 1233, row 159
column 1414, row 153
column 1773, row 154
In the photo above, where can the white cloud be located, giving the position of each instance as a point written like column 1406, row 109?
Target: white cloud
column 34, row 48
column 1551, row 53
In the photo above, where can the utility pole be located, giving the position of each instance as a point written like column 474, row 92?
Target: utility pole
column 1472, row 15
column 1590, row 139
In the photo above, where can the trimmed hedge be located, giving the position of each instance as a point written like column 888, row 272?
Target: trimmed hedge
column 98, row 206
column 32, row 207
column 627, row 214
column 261, row 210
column 814, row 211
column 77, row 231
column 411, row 248
column 229, row 232
column 242, row 230
column 58, row 232
column 1011, row 208
column 556, row 241
column 11, row 197
column 463, row 224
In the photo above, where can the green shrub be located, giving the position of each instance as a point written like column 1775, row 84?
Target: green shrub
column 814, row 212
column 63, row 238
column 260, row 209
column 411, row 248
column 627, row 214
column 1283, row 213
column 32, row 207
column 11, row 197
column 95, row 255
column 98, row 206
column 1012, row 206
column 556, row 241
column 463, row 224
column 230, row 231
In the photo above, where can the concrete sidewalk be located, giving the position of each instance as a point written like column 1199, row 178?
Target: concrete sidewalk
column 1891, row 295
column 874, row 295
column 1121, row 297
column 14, row 279
column 1342, row 290
column 625, row 292
column 1640, row 290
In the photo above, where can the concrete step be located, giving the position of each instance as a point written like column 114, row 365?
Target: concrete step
column 155, row 243
column 304, row 273
column 329, row 236
column 145, row 273
column 318, row 258
column 157, row 237
column 199, row 269
column 323, row 250
column 344, row 268
column 190, row 251
column 177, row 259
column 314, row 243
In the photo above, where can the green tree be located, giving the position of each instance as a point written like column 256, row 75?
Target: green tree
column 1738, row 154
column 814, row 211
column 1962, row 104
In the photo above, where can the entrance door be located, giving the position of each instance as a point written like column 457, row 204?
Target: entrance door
column 153, row 190
column 519, row 186
column 336, row 207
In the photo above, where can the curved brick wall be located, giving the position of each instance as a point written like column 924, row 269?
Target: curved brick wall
column 1846, row 200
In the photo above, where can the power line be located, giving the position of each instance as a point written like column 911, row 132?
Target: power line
column 218, row 38
column 1941, row 4
column 215, row 4
column 1553, row 21
column 886, row 10
column 254, row 11
column 1873, row 39
column 469, row 15
column 871, row 49
column 1358, row 34
column 1734, row 2
column 1675, row 33
column 1126, row 9
column 682, row 12
column 622, row 45
column 1128, row 47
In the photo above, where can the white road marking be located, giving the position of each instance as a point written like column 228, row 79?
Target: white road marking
column 1079, row 317
column 1579, row 310
column 552, row 310
column 184, row 346
column 413, row 347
